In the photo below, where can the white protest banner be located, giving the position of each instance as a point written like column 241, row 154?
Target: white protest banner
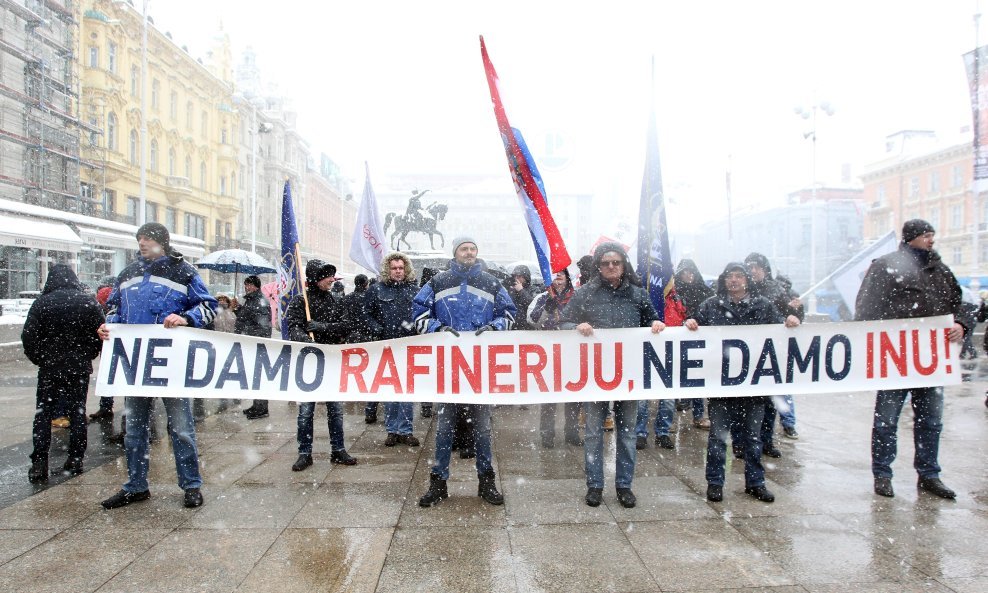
column 534, row 367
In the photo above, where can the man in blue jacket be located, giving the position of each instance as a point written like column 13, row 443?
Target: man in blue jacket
column 463, row 298
column 158, row 287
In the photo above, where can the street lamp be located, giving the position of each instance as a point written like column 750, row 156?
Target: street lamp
column 810, row 113
column 247, row 98
column 343, row 200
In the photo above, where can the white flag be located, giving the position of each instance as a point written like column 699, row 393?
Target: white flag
column 847, row 278
column 368, row 244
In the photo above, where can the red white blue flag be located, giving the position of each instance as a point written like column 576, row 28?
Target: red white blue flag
column 550, row 250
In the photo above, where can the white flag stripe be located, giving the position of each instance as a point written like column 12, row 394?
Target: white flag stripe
column 847, row 280
column 368, row 245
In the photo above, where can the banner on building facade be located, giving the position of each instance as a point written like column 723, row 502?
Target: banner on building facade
column 976, row 64
column 534, row 367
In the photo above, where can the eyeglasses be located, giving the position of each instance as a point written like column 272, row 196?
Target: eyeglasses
column 611, row 264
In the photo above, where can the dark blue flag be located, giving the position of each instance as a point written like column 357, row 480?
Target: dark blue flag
column 290, row 266
column 654, row 257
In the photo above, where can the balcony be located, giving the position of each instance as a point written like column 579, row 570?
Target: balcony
column 177, row 188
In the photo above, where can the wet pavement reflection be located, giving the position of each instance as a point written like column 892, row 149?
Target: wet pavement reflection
column 359, row 528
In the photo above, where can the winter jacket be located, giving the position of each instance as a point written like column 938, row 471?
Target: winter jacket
column 751, row 310
column 779, row 294
column 254, row 316
column 675, row 310
column 606, row 307
column 521, row 298
column 910, row 283
column 60, row 329
column 323, row 307
column 148, row 291
column 465, row 299
column 690, row 294
column 546, row 311
column 353, row 314
column 388, row 309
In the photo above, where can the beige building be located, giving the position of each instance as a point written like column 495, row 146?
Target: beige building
column 192, row 152
column 327, row 229
column 925, row 177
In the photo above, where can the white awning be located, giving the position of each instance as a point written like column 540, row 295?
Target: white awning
column 105, row 238
column 18, row 231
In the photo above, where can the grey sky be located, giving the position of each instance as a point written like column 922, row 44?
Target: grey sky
column 402, row 85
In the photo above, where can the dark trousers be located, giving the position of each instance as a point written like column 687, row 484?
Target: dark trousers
column 744, row 415
column 571, row 425
column 55, row 387
column 463, row 431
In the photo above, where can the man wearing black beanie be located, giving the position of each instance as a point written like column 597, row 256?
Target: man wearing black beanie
column 908, row 283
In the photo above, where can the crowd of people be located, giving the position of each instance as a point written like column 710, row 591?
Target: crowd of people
column 64, row 329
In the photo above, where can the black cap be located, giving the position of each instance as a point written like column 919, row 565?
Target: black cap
column 914, row 228
column 156, row 232
column 253, row 280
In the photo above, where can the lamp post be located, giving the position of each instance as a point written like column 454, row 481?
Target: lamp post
column 810, row 113
column 142, row 214
column 343, row 200
column 247, row 98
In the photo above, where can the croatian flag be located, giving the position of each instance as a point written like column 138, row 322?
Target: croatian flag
column 290, row 266
column 654, row 255
column 549, row 247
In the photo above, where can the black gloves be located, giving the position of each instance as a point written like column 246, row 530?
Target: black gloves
column 484, row 328
column 317, row 327
column 551, row 305
column 447, row 328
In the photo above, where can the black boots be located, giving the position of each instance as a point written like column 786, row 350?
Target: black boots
column 937, row 488
column 302, row 463
column 72, row 467
column 488, row 491
column 883, row 487
column 38, row 472
column 437, row 491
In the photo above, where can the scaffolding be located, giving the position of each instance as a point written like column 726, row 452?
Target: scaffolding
column 39, row 104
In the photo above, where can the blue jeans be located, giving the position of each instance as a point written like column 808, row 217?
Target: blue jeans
column 182, row 430
column 663, row 417
column 446, row 414
column 398, row 417
column 697, row 408
column 744, row 416
column 334, row 413
column 927, row 405
column 625, row 414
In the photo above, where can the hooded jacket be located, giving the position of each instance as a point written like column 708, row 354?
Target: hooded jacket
column 464, row 298
column 691, row 294
column 149, row 290
column 605, row 307
column 751, row 310
column 546, row 310
column 60, row 329
column 388, row 305
column 772, row 289
column 521, row 298
column 910, row 283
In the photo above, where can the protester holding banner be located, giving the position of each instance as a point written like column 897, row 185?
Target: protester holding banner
column 788, row 303
column 546, row 312
column 614, row 298
column 911, row 282
column 688, row 293
column 734, row 304
column 387, row 313
column 159, row 287
column 463, row 298
column 254, row 319
column 317, row 316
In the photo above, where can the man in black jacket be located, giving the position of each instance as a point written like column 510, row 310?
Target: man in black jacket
column 254, row 319
column 788, row 303
column 908, row 283
column 734, row 304
column 324, row 325
column 60, row 337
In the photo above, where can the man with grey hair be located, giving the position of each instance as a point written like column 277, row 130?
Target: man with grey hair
column 463, row 298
